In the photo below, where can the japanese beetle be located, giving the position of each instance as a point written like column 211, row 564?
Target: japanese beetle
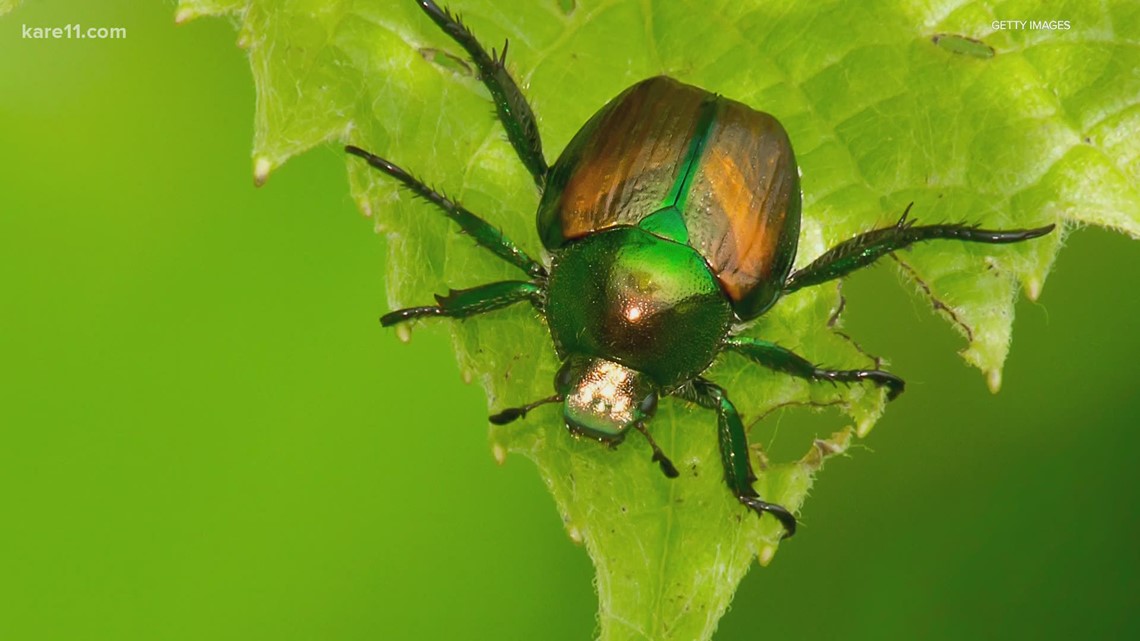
column 672, row 216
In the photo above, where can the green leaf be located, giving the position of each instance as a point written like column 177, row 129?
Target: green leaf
column 887, row 103
column 190, row 9
column 8, row 5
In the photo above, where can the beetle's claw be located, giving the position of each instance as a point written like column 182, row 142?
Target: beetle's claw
column 508, row 415
column 894, row 384
column 780, row 512
column 667, row 466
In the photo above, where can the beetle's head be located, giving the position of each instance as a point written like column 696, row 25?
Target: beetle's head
column 603, row 399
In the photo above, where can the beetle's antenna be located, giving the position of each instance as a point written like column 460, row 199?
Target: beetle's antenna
column 515, row 413
column 658, row 456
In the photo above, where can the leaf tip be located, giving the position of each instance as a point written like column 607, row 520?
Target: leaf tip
column 184, row 15
column 404, row 333
column 993, row 380
column 766, row 554
column 1033, row 289
column 261, row 168
column 500, row 453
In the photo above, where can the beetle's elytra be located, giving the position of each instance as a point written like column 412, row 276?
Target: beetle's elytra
column 672, row 215
column 691, row 167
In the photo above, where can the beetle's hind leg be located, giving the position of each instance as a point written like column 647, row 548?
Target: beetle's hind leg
column 480, row 230
column 868, row 247
column 734, row 449
column 784, row 360
column 513, row 109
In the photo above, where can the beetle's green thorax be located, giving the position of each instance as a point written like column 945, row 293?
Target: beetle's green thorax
column 631, row 297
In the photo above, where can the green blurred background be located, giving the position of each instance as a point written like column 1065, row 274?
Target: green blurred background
column 207, row 435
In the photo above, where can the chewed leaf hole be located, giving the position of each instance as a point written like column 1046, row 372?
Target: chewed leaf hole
column 786, row 432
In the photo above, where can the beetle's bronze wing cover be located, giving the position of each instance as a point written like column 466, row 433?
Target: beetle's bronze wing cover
column 620, row 166
column 743, row 208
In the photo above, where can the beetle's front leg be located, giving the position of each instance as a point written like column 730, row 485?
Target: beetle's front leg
column 480, row 230
column 513, row 109
column 784, row 360
column 734, row 449
column 461, row 303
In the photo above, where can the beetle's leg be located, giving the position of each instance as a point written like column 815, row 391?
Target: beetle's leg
column 784, row 360
column 461, row 303
column 734, row 449
column 659, row 457
column 868, row 247
column 472, row 225
column 514, row 413
column 514, row 111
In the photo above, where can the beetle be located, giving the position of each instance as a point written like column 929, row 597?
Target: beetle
column 670, row 218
